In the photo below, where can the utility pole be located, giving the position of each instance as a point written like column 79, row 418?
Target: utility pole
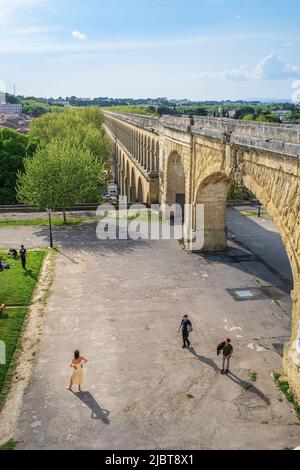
column 14, row 90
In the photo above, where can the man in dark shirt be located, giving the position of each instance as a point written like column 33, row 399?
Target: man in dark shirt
column 23, row 256
column 185, row 327
column 227, row 349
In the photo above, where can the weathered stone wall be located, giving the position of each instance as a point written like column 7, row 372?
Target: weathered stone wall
column 210, row 153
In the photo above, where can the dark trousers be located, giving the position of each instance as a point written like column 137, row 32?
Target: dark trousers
column 23, row 260
column 185, row 337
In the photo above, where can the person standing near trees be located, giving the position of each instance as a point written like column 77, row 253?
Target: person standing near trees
column 23, row 255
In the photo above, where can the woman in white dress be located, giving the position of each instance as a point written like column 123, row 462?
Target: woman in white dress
column 77, row 376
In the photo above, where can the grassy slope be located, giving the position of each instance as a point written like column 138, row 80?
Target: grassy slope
column 17, row 285
column 16, row 288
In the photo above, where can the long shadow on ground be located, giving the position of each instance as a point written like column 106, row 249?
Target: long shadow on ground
column 84, row 237
column 97, row 412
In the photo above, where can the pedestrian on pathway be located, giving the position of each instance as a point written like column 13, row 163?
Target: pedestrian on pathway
column 226, row 348
column 23, row 255
column 77, row 376
column 186, row 328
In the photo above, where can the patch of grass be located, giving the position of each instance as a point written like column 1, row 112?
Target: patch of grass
column 189, row 395
column 17, row 285
column 10, row 330
column 16, row 290
column 283, row 385
column 253, row 376
column 254, row 213
column 41, row 222
column 9, row 445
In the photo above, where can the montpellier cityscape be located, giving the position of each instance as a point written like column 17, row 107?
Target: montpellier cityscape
column 149, row 228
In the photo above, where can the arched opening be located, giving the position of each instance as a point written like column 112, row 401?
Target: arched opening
column 152, row 163
column 260, row 246
column 157, row 156
column 126, row 188
column 132, row 187
column 175, row 182
column 127, row 180
column 140, row 191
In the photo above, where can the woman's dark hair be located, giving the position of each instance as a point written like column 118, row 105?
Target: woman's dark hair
column 76, row 354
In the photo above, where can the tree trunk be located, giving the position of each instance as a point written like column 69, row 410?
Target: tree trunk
column 65, row 217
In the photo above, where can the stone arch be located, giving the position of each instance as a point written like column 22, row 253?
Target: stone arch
column 140, row 195
column 133, row 194
column 157, row 156
column 148, row 158
column 140, row 151
column 152, row 157
column 144, row 161
column 284, row 217
column 122, row 175
column 279, row 220
column 127, row 171
column 127, row 180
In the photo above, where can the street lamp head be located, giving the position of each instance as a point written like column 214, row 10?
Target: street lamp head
column 49, row 210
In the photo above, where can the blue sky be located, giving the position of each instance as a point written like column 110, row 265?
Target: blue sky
column 196, row 49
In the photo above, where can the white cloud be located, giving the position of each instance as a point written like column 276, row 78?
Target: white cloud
column 80, row 36
column 272, row 67
column 66, row 47
column 8, row 7
column 35, row 30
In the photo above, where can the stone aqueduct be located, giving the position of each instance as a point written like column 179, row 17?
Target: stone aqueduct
column 195, row 160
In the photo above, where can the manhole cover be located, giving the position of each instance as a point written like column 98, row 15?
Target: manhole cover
column 244, row 294
column 255, row 293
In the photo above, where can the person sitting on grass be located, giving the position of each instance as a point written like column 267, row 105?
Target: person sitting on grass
column 13, row 252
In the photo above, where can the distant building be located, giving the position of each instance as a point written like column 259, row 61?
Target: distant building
column 8, row 108
column 60, row 103
column 283, row 114
column 232, row 113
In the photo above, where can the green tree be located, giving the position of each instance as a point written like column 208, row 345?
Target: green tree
column 249, row 117
column 14, row 148
column 59, row 175
column 262, row 118
column 82, row 125
column 295, row 116
column 243, row 111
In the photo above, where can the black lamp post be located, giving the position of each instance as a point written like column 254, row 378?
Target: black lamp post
column 50, row 228
column 259, row 209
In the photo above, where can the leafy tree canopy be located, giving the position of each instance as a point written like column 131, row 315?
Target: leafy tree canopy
column 59, row 175
column 14, row 147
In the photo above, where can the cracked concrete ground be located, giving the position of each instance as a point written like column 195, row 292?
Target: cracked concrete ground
column 120, row 302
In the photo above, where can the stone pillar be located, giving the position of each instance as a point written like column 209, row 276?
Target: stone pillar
column 215, row 236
